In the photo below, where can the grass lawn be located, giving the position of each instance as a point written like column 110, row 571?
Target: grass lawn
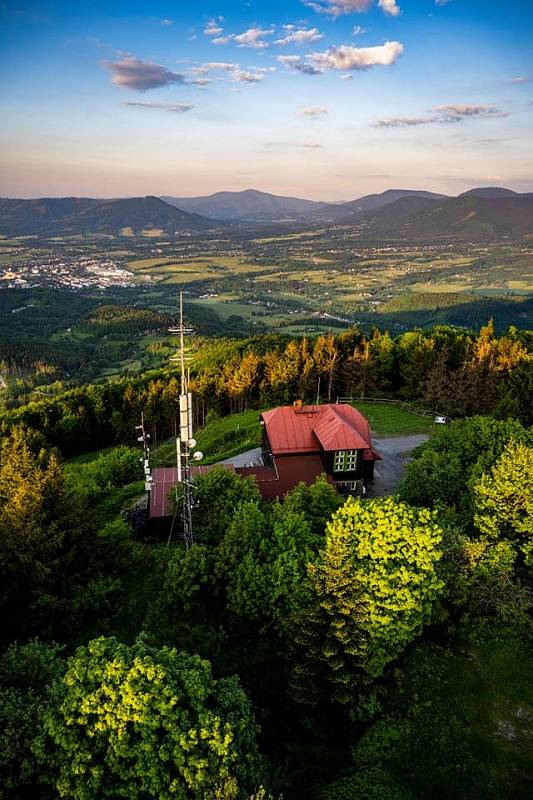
column 392, row 420
column 222, row 438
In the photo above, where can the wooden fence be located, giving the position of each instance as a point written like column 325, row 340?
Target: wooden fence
column 412, row 409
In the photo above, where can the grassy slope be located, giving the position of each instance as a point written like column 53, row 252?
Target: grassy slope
column 392, row 420
column 221, row 438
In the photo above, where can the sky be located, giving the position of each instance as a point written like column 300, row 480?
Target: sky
column 325, row 99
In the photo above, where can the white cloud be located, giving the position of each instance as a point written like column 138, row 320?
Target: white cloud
column 404, row 122
column 458, row 111
column 443, row 115
column 389, row 7
column 166, row 23
column 337, row 8
column 312, row 112
column 358, row 30
column 299, row 36
column 213, row 28
column 210, row 66
column 253, row 37
column 518, row 79
column 297, row 64
column 312, row 145
column 132, row 73
column 235, row 72
column 173, row 108
column 246, row 76
column 346, row 57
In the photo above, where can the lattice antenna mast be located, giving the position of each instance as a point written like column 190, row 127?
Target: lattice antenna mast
column 184, row 440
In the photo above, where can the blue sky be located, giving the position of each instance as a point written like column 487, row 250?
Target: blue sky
column 329, row 99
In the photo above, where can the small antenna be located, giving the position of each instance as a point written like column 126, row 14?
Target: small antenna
column 145, row 460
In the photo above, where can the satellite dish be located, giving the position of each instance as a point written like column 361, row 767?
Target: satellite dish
column 198, row 456
column 192, row 443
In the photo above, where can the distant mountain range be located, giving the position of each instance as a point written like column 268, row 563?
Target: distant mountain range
column 249, row 205
column 330, row 212
column 469, row 217
column 481, row 214
column 68, row 216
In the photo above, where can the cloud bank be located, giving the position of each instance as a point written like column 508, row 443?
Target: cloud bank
column 141, row 76
column 443, row 115
column 337, row 8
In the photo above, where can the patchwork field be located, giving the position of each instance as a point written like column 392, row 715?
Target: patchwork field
column 304, row 281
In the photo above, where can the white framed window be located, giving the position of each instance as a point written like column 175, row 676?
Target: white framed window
column 345, row 460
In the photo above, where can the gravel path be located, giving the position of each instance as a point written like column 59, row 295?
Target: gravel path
column 395, row 452
column 244, row 459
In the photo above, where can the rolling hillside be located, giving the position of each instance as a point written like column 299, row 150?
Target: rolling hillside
column 370, row 202
column 248, row 205
column 68, row 216
column 466, row 218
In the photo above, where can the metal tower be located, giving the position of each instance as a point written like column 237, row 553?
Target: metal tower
column 184, row 440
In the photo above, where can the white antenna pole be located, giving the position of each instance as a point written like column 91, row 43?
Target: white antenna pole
column 184, row 438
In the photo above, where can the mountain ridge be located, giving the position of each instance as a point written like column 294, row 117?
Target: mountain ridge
column 467, row 217
column 249, row 204
column 69, row 216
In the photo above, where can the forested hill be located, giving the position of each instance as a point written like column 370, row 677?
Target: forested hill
column 323, row 647
column 452, row 371
column 67, row 216
column 470, row 217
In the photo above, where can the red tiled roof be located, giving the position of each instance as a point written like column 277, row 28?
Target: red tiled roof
column 371, row 455
column 290, row 470
column 312, row 428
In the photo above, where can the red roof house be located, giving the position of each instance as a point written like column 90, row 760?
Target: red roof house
column 302, row 442
column 299, row 443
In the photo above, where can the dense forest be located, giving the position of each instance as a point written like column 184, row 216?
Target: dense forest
column 337, row 650
column 454, row 372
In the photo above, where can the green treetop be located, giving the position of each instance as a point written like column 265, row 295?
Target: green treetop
column 375, row 584
column 503, row 499
column 138, row 722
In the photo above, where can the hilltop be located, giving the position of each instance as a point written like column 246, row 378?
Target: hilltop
column 68, row 216
column 250, row 204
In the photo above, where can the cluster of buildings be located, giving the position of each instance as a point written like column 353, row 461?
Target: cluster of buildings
column 81, row 273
